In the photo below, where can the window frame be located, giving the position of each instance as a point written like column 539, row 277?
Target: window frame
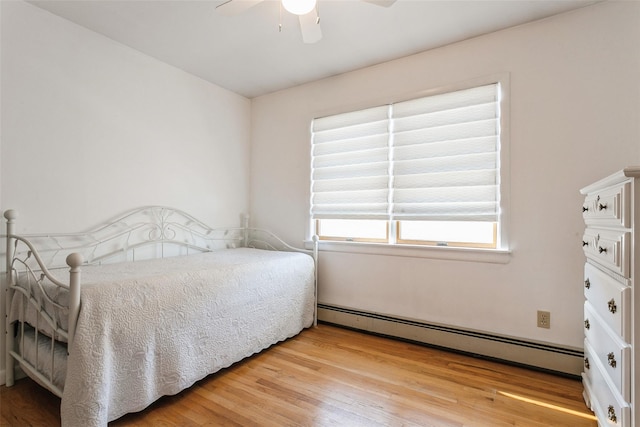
column 352, row 239
column 458, row 244
column 393, row 243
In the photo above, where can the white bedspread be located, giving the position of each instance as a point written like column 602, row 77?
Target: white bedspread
column 153, row 328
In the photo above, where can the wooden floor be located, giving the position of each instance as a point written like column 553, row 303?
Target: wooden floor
column 332, row 376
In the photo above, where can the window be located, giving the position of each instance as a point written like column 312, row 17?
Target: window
column 424, row 171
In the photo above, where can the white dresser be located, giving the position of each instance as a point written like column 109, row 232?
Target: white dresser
column 611, row 243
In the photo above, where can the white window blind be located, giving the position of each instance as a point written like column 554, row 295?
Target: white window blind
column 350, row 165
column 433, row 158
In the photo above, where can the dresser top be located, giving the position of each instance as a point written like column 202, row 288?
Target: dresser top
column 613, row 179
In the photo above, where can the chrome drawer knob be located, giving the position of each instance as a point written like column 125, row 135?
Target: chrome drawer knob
column 586, row 363
column 587, row 284
column 612, row 306
column 587, row 325
column 611, row 414
column 611, row 359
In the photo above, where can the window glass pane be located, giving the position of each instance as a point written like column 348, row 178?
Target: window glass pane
column 352, row 229
column 449, row 232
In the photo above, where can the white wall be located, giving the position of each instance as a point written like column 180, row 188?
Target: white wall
column 91, row 128
column 574, row 117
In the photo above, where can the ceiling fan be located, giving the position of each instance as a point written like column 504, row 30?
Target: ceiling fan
column 307, row 11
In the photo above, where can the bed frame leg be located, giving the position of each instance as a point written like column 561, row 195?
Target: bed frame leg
column 10, row 216
column 8, row 373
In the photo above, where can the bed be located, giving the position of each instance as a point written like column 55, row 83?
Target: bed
column 147, row 305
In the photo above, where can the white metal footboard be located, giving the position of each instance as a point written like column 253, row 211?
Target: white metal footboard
column 19, row 263
column 263, row 239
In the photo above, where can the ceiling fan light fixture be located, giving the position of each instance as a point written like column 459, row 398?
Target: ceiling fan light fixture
column 299, row 7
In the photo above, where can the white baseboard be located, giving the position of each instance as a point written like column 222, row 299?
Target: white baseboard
column 567, row 361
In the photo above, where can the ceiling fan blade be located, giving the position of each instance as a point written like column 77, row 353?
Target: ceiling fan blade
column 235, row 7
column 383, row 3
column 310, row 27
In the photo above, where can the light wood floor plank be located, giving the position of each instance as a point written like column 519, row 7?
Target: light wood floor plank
column 333, row 376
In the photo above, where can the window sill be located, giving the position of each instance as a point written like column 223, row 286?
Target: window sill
column 495, row 256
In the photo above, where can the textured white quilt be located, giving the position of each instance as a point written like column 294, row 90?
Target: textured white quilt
column 153, row 328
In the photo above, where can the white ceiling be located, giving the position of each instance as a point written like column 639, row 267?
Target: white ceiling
column 248, row 55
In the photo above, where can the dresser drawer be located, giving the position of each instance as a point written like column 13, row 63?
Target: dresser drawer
column 609, row 248
column 608, row 207
column 610, row 408
column 611, row 352
column 610, row 299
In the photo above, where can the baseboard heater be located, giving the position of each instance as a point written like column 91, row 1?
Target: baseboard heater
column 565, row 361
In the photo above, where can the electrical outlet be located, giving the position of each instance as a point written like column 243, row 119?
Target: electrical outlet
column 544, row 319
